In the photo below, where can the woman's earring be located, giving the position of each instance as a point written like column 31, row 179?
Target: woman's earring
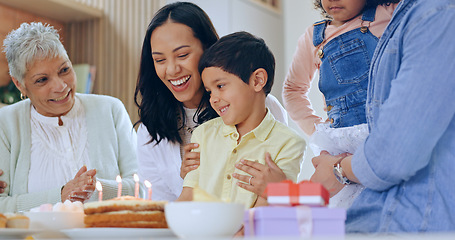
column 23, row 96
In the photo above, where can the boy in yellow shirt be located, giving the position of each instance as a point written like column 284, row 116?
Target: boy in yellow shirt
column 238, row 72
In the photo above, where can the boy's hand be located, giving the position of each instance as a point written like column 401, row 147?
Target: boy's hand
column 260, row 175
column 190, row 159
column 2, row 183
column 240, row 233
column 186, row 195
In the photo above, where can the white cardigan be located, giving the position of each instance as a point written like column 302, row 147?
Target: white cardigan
column 112, row 151
column 160, row 164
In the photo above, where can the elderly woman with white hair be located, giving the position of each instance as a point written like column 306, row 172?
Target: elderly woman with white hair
column 48, row 141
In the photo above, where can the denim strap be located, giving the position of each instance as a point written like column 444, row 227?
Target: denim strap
column 319, row 32
column 319, row 27
column 369, row 14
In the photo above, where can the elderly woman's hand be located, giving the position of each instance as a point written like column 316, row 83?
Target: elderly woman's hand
column 260, row 175
column 2, row 183
column 190, row 159
column 323, row 174
column 81, row 187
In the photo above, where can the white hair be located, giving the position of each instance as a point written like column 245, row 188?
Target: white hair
column 28, row 43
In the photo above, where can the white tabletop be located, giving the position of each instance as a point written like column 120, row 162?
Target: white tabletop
column 421, row 236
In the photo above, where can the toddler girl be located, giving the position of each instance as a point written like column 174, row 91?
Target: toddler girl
column 340, row 47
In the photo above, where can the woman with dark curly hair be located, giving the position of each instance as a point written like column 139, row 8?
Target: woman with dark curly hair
column 340, row 47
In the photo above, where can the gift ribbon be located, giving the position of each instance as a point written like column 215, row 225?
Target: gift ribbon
column 304, row 221
column 303, row 217
column 251, row 221
column 294, row 194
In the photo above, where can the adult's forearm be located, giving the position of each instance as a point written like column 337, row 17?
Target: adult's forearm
column 347, row 169
column 409, row 120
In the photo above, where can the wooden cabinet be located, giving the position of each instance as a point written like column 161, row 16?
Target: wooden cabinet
column 60, row 10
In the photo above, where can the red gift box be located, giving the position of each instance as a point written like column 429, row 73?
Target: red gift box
column 287, row 193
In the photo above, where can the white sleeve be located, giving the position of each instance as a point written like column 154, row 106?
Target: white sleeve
column 276, row 109
column 159, row 164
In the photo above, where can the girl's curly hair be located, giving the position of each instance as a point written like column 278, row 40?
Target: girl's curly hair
column 369, row 3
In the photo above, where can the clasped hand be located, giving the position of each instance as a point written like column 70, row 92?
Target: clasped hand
column 81, row 187
column 323, row 173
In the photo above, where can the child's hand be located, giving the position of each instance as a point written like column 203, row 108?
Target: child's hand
column 190, row 159
column 260, row 175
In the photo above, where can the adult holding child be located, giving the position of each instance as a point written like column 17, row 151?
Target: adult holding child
column 240, row 68
column 172, row 101
column 407, row 161
column 48, row 140
column 340, row 48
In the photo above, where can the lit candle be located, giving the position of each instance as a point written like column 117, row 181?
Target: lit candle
column 119, row 190
column 136, row 185
column 149, row 187
column 99, row 187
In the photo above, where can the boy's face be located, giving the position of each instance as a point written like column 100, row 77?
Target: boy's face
column 231, row 98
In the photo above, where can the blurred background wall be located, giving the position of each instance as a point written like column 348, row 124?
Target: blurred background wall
column 108, row 34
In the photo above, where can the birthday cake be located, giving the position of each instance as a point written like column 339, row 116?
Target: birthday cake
column 3, row 220
column 127, row 212
column 13, row 220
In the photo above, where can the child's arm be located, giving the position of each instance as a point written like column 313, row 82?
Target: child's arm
column 261, row 202
column 298, row 83
column 186, row 195
column 191, row 178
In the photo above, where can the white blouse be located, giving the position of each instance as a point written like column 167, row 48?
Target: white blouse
column 57, row 152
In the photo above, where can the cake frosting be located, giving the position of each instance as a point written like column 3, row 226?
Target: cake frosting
column 66, row 206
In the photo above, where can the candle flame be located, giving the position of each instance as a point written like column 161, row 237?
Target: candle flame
column 118, row 179
column 147, row 184
column 99, row 187
column 136, row 177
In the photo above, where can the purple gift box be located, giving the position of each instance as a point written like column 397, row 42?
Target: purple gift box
column 294, row 221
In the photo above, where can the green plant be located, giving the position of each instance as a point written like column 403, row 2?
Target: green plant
column 9, row 94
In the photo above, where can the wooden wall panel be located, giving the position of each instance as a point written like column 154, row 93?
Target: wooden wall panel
column 11, row 18
column 113, row 44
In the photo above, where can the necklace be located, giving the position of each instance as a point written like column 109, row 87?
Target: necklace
column 188, row 124
column 190, row 129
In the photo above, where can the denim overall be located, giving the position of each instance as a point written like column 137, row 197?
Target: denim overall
column 343, row 74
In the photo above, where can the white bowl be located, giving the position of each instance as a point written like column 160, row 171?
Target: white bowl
column 55, row 220
column 204, row 219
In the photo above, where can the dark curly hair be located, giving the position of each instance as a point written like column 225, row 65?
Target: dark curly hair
column 369, row 3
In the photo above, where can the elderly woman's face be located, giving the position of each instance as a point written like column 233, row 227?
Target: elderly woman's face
column 51, row 85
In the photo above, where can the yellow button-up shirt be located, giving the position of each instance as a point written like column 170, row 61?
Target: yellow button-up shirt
column 219, row 152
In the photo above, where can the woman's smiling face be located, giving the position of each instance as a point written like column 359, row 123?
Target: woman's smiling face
column 50, row 84
column 176, row 53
